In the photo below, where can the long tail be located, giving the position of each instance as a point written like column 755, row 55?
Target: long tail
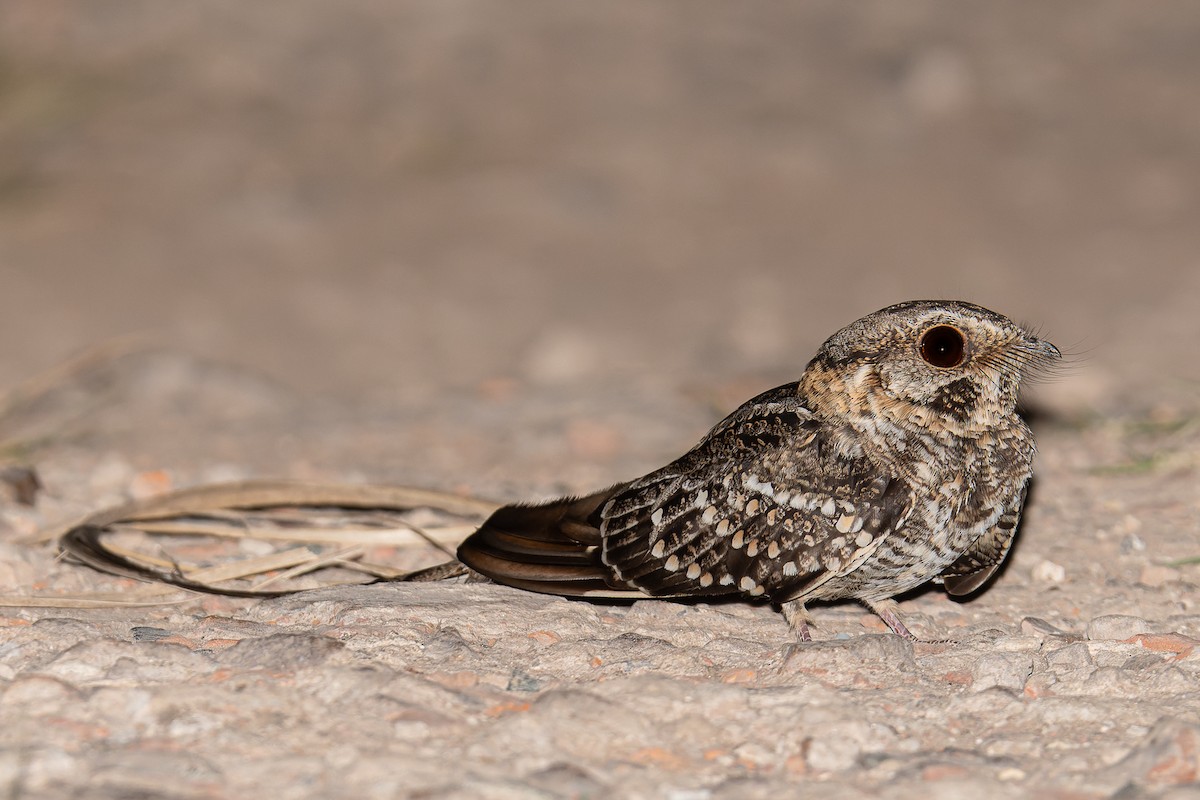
column 552, row 548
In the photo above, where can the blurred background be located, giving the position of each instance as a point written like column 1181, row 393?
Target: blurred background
column 414, row 238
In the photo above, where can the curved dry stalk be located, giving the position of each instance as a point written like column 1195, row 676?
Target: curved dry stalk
column 214, row 511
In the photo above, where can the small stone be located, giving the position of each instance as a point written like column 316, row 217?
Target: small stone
column 1121, row 681
column 522, row 681
column 1182, row 646
column 146, row 633
column 1036, row 626
column 1040, row 684
column 19, row 484
column 1118, row 627
column 1132, row 543
column 1003, row 670
column 1048, row 572
column 149, row 484
column 1156, row 575
column 1073, row 656
column 1016, row 644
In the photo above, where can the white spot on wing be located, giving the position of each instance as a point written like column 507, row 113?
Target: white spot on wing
column 755, row 485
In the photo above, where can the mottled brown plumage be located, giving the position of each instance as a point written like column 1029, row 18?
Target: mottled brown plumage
column 898, row 458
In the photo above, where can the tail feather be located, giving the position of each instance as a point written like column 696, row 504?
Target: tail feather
column 552, row 548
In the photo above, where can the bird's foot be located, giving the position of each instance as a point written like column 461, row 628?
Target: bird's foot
column 889, row 612
column 797, row 617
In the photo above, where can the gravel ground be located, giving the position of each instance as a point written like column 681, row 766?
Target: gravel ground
column 519, row 250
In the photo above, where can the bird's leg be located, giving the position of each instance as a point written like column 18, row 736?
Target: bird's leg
column 888, row 611
column 798, row 617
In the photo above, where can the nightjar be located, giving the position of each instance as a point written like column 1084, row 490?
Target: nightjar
column 898, row 458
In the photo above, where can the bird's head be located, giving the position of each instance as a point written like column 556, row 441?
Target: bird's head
column 940, row 366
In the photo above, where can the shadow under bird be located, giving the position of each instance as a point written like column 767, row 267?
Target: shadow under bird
column 897, row 459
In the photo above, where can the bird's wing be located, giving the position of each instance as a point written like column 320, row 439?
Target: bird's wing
column 556, row 547
column 973, row 568
column 757, row 508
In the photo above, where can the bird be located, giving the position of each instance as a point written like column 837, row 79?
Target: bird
column 899, row 458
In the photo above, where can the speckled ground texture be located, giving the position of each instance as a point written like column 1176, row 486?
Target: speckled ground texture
column 521, row 249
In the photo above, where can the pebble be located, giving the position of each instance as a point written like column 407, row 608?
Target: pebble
column 1132, row 543
column 1156, row 575
column 522, row 681
column 1073, row 656
column 1003, row 670
column 146, row 633
column 19, row 484
column 1117, row 627
column 1016, row 644
column 1048, row 572
column 1035, row 626
column 152, row 483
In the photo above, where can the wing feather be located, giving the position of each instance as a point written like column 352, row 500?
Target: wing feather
column 757, row 508
column 974, row 567
column 760, row 507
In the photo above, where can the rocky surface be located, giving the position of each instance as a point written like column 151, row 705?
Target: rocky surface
column 521, row 250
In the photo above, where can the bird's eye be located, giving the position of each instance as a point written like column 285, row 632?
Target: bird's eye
column 943, row 346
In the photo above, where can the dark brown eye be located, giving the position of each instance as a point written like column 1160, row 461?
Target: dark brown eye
column 943, row 347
